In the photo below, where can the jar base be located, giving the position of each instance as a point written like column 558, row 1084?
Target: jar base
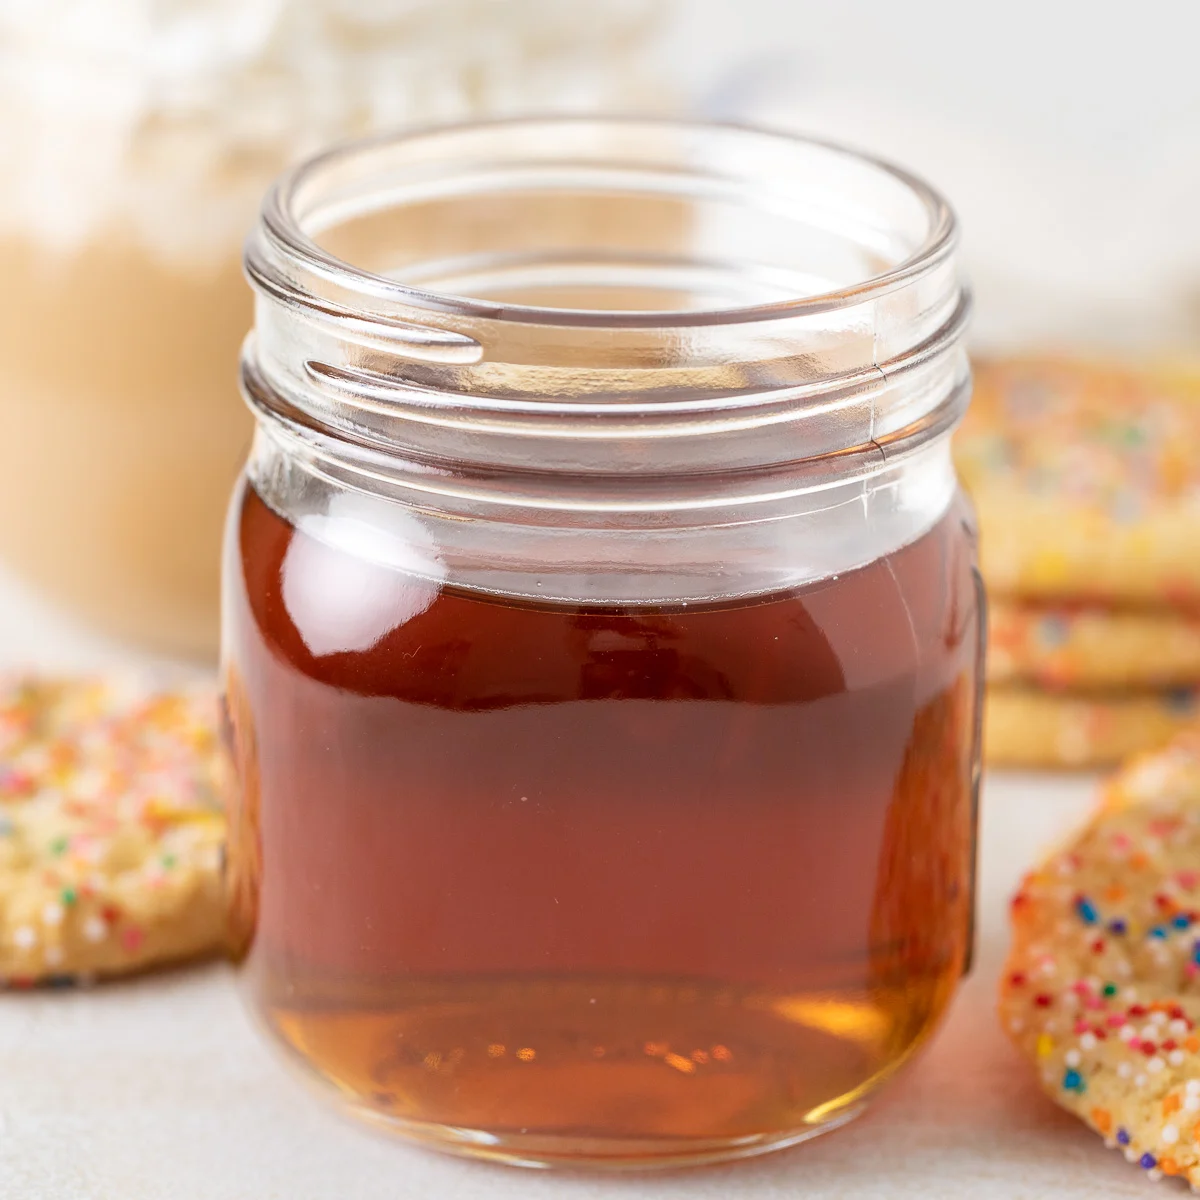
column 625, row 1073
column 559, row 1152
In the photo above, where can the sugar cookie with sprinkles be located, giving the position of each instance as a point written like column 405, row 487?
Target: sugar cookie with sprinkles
column 1091, row 648
column 110, row 831
column 1102, row 987
column 1027, row 727
column 1086, row 479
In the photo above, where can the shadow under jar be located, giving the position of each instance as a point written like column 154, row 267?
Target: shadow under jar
column 602, row 636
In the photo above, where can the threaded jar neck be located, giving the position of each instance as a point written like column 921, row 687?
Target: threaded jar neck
column 579, row 312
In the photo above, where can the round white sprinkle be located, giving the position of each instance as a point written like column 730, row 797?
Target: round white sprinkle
column 1087, row 1041
column 88, row 785
column 1175, row 1058
column 24, row 937
column 1124, row 1070
column 1154, row 1065
column 34, row 761
column 1169, row 1135
column 1154, row 1174
column 1192, row 1087
column 1158, row 1018
column 1191, row 1103
column 1178, row 1027
column 1139, row 1081
column 1127, row 1033
column 95, row 929
column 1072, row 1058
column 53, row 955
column 1148, row 1033
column 52, row 914
column 1131, row 1154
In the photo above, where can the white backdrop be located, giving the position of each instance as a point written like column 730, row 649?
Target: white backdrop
column 1067, row 135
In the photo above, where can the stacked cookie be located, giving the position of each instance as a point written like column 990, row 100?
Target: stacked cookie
column 1086, row 479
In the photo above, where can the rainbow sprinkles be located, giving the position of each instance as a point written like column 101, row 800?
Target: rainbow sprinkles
column 110, row 834
column 1102, row 987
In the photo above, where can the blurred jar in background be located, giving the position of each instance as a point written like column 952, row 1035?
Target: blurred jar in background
column 136, row 138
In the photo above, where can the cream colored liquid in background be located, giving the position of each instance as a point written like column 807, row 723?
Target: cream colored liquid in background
column 133, row 171
column 124, row 432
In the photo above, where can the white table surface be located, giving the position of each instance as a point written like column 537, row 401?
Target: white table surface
column 160, row 1089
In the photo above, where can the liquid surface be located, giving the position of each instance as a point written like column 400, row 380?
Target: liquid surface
column 612, row 884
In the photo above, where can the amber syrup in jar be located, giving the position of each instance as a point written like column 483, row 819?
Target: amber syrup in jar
column 633, row 877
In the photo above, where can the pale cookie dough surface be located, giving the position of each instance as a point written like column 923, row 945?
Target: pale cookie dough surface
column 1086, row 478
column 110, row 834
column 1172, row 771
column 1102, row 986
column 1091, row 647
column 1025, row 727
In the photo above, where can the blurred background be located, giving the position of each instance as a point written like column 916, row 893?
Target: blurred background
column 137, row 136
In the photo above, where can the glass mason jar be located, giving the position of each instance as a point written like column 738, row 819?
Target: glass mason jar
column 602, row 636
column 136, row 139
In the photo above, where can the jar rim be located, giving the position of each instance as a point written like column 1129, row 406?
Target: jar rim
column 487, row 402
column 283, row 225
